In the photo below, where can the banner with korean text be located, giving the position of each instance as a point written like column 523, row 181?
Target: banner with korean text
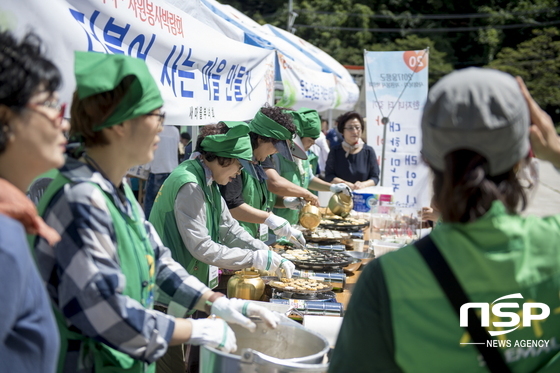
column 396, row 91
column 204, row 76
column 304, row 87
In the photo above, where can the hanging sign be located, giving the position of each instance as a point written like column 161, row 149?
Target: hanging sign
column 204, row 76
column 396, row 91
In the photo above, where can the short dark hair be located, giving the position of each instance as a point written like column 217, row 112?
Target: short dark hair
column 280, row 116
column 464, row 191
column 186, row 135
column 213, row 129
column 23, row 69
column 342, row 119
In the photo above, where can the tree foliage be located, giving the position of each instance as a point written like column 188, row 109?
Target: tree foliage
column 537, row 61
column 511, row 35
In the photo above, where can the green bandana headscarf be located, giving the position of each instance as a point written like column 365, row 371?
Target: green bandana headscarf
column 307, row 121
column 235, row 143
column 99, row 72
column 264, row 126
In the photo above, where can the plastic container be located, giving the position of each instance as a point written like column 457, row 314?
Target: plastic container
column 365, row 199
column 381, row 247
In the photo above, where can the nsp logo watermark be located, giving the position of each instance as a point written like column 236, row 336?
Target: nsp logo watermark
column 515, row 320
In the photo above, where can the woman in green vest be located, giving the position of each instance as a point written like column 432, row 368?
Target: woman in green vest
column 248, row 196
column 300, row 171
column 110, row 267
column 192, row 219
column 475, row 138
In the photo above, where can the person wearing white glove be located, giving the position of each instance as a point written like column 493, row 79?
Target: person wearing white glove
column 301, row 172
column 214, row 333
column 341, row 187
column 282, row 228
column 238, row 311
column 294, row 203
column 267, row 260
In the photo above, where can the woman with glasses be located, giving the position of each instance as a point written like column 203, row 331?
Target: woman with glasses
column 31, row 142
column 110, row 267
column 408, row 311
column 352, row 162
column 193, row 219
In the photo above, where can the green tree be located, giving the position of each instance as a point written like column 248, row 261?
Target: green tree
column 537, row 61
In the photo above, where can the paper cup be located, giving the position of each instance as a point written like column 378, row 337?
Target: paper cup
column 358, row 245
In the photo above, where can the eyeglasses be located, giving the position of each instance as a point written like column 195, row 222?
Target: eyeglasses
column 240, row 169
column 161, row 117
column 54, row 105
column 353, row 128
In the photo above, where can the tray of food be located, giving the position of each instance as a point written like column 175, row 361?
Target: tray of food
column 317, row 259
column 343, row 224
column 325, row 236
column 300, row 285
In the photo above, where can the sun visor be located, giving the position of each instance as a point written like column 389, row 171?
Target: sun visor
column 249, row 167
column 291, row 148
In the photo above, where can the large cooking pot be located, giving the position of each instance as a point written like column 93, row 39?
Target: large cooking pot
column 288, row 348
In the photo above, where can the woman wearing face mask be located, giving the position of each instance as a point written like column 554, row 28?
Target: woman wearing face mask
column 31, row 143
column 110, row 266
column 352, row 162
column 192, row 218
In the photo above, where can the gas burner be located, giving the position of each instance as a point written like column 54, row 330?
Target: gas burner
column 327, row 296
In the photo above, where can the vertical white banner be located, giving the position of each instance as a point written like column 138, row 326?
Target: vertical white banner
column 204, row 76
column 397, row 88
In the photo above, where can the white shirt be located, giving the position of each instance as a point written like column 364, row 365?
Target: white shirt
column 321, row 149
column 166, row 156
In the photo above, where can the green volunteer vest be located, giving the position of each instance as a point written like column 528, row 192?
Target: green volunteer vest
column 313, row 160
column 136, row 257
column 299, row 176
column 521, row 256
column 257, row 195
column 163, row 216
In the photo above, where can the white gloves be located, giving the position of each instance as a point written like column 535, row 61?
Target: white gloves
column 341, row 187
column 293, row 203
column 238, row 311
column 214, row 333
column 267, row 260
column 282, row 228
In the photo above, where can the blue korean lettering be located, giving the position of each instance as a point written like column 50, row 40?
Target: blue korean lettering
column 113, row 35
column 410, row 140
column 395, row 162
column 170, row 69
column 211, row 80
column 234, row 80
column 91, row 36
column 410, row 200
column 395, row 141
column 394, row 127
column 140, row 40
column 410, row 160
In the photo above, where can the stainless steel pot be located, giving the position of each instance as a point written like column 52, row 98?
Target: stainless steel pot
column 288, row 348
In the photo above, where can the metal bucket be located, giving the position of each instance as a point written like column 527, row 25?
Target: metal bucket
column 288, row 348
